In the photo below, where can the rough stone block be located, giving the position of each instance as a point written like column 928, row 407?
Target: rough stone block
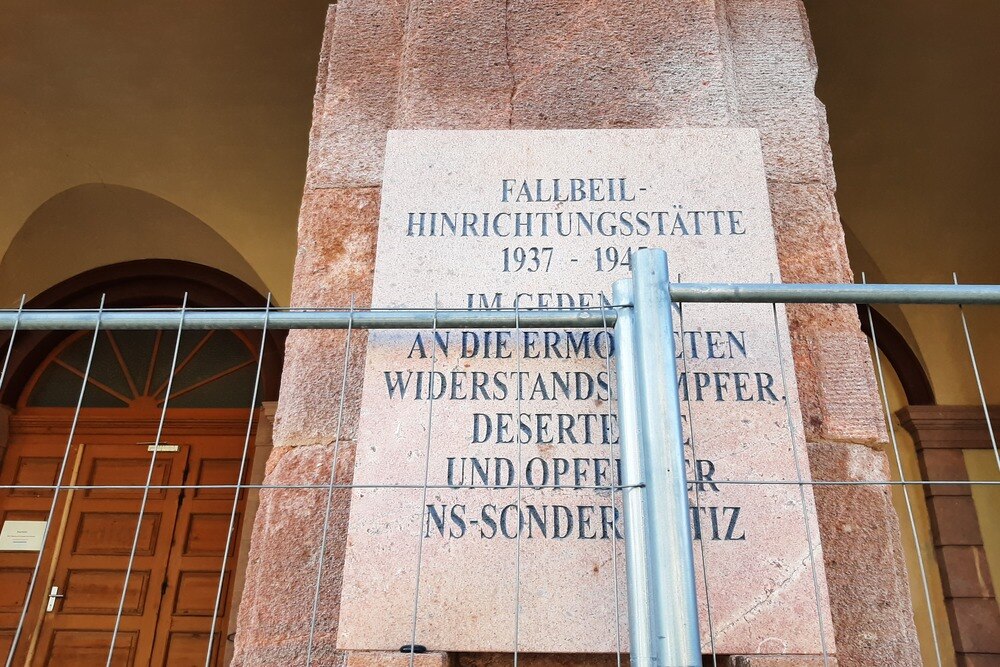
column 810, row 236
column 781, row 661
column 865, row 570
column 965, row 572
column 360, row 93
column 322, row 79
column 312, row 380
column 337, row 230
column 774, row 76
column 837, row 388
column 974, row 623
column 283, row 654
column 385, row 659
column 444, row 44
column 565, row 64
column 276, row 609
column 605, row 64
column 336, row 247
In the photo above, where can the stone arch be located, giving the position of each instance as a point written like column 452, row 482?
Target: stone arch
column 137, row 284
column 916, row 385
column 895, row 337
column 97, row 224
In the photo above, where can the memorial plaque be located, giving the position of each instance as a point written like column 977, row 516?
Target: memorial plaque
column 548, row 219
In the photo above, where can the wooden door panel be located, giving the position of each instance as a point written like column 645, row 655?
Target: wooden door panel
column 6, row 638
column 24, row 515
column 100, row 529
column 30, row 471
column 111, row 472
column 91, row 591
column 195, row 594
column 187, row 649
column 216, row 472
column 202, row 539
column 89, row 648
column 206, row 534
column 99, row 533
column 13, row 587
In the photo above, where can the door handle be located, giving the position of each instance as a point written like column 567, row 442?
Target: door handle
column 53, row 596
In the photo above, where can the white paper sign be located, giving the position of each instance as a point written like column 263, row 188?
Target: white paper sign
column 21, row 535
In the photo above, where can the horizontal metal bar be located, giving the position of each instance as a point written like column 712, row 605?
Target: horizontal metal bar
column 582, row 318
column 294, row 319
column 824, row 293
column 513, row 487
column 318, row 487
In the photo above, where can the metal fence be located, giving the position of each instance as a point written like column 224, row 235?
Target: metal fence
column 659, row 550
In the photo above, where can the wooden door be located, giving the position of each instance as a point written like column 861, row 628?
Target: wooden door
column 175, row 577
column 170, row 602
column 30, row 463
column 92, row 555
column 201, row 539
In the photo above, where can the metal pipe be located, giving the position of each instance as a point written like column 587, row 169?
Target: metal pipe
column 506, row 318
column 633, row 503
column 825, row 293
column 322, row 319
column 673, row 599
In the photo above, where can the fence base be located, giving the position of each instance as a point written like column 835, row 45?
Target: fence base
column 780, row 661
column 395, row 659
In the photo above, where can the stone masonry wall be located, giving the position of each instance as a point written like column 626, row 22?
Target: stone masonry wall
column 549, row 64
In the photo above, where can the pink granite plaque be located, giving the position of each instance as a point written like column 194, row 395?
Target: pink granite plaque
column 550, row 219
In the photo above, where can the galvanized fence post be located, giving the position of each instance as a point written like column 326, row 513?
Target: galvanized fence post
column 670, row 558
column 633, row 501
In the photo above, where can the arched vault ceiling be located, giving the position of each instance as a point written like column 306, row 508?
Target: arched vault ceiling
column 97, row 225
column 204, row 104
column 910, row 90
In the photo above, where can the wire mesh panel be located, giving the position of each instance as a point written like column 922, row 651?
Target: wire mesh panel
column 101, row 493
column 121, row 545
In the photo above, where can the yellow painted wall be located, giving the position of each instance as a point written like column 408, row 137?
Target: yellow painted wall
column 982, row 465
column 933, row 618
column 205, row 105
column 96, row 224
column 915, row 146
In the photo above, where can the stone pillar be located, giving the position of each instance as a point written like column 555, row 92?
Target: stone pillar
column 941, row 433
column 524, row 64
column 262, row 446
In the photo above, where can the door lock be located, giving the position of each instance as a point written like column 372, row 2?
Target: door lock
column 53, row 596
